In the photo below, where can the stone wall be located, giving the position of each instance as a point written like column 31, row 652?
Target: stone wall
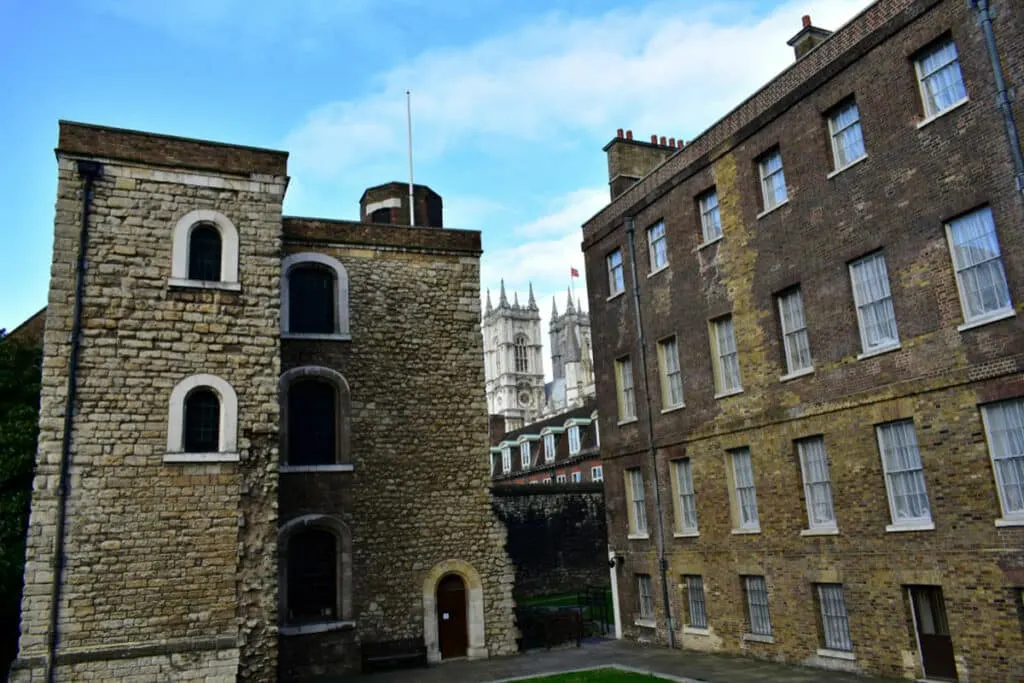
column 156, row 552
column 557, row 538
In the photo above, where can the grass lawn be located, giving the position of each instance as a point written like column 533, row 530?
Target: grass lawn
column 598, row 676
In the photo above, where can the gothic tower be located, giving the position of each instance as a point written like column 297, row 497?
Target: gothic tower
column 513, row 359
column 571, row 355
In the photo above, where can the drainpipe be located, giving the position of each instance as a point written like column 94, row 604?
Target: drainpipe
column 89, row 172
column 1002, row 93
column 662, row 562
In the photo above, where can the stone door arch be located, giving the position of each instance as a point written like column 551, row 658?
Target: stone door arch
column 475, row 608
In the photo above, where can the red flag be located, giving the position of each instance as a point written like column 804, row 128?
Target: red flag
column 573, row 272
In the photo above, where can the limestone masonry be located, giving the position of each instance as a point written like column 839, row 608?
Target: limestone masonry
column 260, row 467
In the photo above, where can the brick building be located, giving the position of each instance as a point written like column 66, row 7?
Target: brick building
column 253, row 481
column 819, row 419
column 564, row 449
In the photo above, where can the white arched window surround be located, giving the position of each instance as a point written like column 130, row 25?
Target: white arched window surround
column 341, row 328
column 342, row 423
column 344, row 591
column 228, row 250
column 227, row 450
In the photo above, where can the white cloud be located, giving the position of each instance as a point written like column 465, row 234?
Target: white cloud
column 669, row 68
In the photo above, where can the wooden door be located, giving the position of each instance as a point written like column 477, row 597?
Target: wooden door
column 933, row 632
column 452, row 630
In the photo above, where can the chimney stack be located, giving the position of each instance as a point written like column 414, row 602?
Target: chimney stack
column 630, row 160
column 809, row 37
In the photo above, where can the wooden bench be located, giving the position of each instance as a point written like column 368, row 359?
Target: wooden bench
column 390, row 654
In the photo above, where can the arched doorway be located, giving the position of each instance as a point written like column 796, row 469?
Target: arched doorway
column 452, row 625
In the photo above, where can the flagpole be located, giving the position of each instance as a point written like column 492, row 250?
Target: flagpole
column 408, row 119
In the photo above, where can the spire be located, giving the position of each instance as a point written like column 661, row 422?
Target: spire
column 570, row 308
column 489, row 308
column 503, row 301
column 532, row 305
column 515, row 299
column 554, row 308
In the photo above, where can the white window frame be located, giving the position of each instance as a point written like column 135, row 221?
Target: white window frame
column 524, row 455
column 960, row 271
column 576, row 477
column 227, row 448
column 671, row 374
column 931, row 109
column 625, row 389
column 793, row 323
column 817, row 482
column 575, row 442
column 341, row 323
column 597, row 473
column 835, row 133
column 998, row 450
column 744, row 490
column 656, row 239
column 835, row 619
column 768, row 177
column 180, row 238
column 710, row 216
column 758, row 611
column 549, row 447
column 506, row 459
column 883, row 343
column 921, row 522
column 559, row 478
column 685, row 498
column 645, row 597
column 720, row 330
column 616, row 273
column 546, row 480
column 696, row 601
column 637, row 515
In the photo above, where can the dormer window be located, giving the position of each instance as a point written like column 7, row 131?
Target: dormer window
column 574, row 440
column 506, row 459
column 524, row 455
column 549, row 448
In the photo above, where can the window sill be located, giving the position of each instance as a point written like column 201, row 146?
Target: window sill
column 730, row 392
column 839, row 170
column 774, row 208
column 832, row 531
column 836, row 654
column 924, row 122
column 744, row 532
column 990, row 318
column 287, row 469
column 185, row 283
column 627, row 421
column 796, row 374
column 686, row 534
column 317, row 336
column 616, row 295
column 757, row 638
column 200, row 458
column 879, row 351
column 645, row 623
column 1010, row 521
column 637, row 537
column 655, row 272
column 696, row 631
column 702, row 245
column 319, row 627
column 673, row 409
column 910, row 526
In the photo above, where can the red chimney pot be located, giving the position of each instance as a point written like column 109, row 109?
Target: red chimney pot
column 671, row 142
column 618, row 133
column 807, row 20
column 663, row 143
column 629, row 135
column 654, row 139
column 680, row 143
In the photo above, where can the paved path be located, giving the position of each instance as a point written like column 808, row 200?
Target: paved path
column 686, row 666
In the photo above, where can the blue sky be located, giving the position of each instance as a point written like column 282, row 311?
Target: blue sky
column 512, row 102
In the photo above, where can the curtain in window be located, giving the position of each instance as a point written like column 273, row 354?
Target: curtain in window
column 773, row 180
column 798, row 349
column 743, row 472
column 903, row 469
column 1006, row 429
column 874, row 301
column 639, row 503
column 817, row 485
column 646, row 597
column 728, row 357
column 979, row 265
column 687, row 498
column 847, row 134
column 710, row 218
column 940, row 75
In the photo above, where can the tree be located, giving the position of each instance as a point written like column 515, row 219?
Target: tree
column 20, row 374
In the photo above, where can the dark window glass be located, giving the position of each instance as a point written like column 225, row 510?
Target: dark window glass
column 311, row 300
column 381, row 216
column 204, row 253
column 202, row 422
column 312, row 432
column 312, row 575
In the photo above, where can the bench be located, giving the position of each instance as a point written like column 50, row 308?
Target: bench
column 390, row 654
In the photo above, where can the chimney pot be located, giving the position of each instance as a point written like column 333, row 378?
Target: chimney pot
column 663, row 143
column 807, row 20
column 654, row 139
column 618, row 133
column 680, row 143
column 629, row 135
column 671, row 142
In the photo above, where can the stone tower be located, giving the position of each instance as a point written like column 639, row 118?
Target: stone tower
column 571, row 355
column 513, row 351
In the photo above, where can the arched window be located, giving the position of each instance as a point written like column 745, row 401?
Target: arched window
column 311, row 300
column 314, row 297
column 312, row 576
column 522, row 354
column 312, row 427
column 315, row 420
column 204, row 253
column 202, row 421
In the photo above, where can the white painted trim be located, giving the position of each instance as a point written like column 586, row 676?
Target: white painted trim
column 616, row 295
column 757, row 638
column 200, row 457
column 616, row 611
column 389, row 203
column 341, row 321
column 910, row 526
column 924, row 122
column 839, row 170
column 673, row 408
column 655, row 272
column 319, row 627
column 836, row 654
column 627, row 422
column 730, row 392
column 695, row 631
column 824, row 531
column 645, row 623
column 1009, row 521
column 228, row 245
column 289, row 469
column 742, row 532
column 990, row 318
column 638, row 537
column 685, row 534
column 228, row 443
column 774, row 208
column 204, row 284
column 702, row 245
column 879, row 351
column 798, row 373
